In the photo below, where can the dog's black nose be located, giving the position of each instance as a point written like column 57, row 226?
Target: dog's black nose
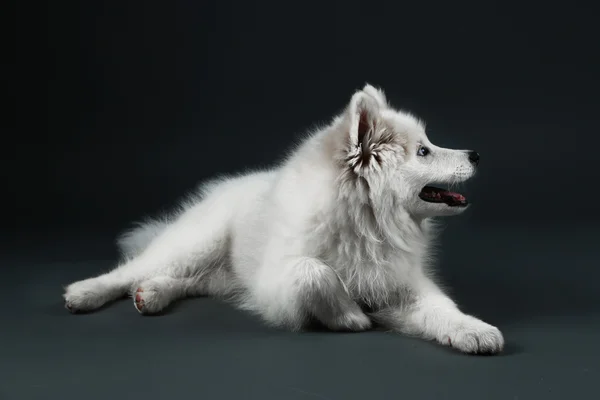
column 474, row 157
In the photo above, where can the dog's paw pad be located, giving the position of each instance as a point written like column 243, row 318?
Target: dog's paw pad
column 139, row 299
column 147, row 299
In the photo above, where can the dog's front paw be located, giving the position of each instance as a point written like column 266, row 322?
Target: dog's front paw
column 471, row 335
column 351, row 321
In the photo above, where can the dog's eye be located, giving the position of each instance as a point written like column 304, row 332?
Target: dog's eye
column 422, row 151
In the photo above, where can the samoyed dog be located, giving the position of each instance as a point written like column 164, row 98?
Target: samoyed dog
column 338, row 235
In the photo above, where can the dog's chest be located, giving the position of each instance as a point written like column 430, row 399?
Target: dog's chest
column 375, row 274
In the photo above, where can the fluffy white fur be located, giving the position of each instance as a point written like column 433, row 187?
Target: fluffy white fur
column 337, row 235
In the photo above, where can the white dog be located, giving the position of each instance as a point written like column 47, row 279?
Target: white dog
column 339, row 234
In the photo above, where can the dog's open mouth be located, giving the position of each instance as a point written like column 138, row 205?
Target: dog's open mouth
column 436, row 195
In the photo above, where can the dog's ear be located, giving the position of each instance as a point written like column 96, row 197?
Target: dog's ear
column 363, row 114
column 364, row 119
column 377, row 94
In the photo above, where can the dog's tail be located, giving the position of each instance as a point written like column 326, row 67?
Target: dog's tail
column 132, row 242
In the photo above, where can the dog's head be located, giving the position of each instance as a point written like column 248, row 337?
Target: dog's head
column 386, row 152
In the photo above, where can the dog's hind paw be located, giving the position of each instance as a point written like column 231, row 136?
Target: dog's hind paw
column 84, row 296
column 150, row 297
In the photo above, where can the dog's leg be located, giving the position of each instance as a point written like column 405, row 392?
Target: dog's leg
column 434, row 316
column 92, row 293
column 305, row 288
column 194, row 246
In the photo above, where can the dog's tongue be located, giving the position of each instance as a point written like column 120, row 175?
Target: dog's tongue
column 455, row 196
column 434, row 194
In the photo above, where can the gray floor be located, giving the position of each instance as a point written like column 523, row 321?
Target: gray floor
column 205, row 349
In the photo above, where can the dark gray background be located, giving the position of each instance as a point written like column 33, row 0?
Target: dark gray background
column 122, row 107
